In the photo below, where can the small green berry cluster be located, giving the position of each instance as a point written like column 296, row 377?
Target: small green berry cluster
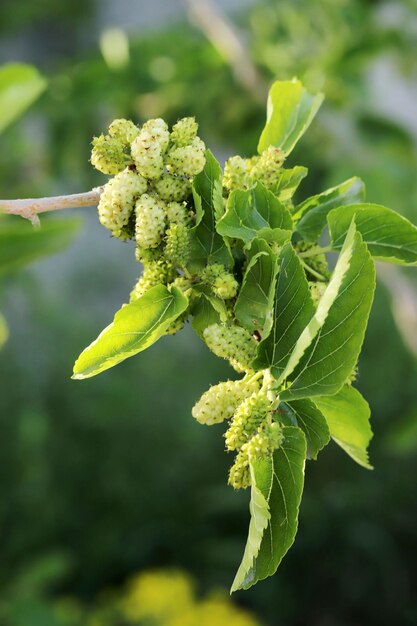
column 152, row 169
column 242, row 173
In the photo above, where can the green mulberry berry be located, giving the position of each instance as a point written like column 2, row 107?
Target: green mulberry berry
column 154, row 273
column 182, row 283
column 177, row 324
column 239, row 474
column 173, row 188
column 267, row 168
column 223, row 283
column 235, row 173
column 248, row 417
column 188, row 160
column 317, row 289
column 144, row 255
column 109, row 155
column 220, row 401
column 177, row 213
column 150, row 221
column 177, row 244
column 123, row 130
column 184, row 131
column 268, row 438
column 233, row 343
column 117, row 200
column 147, row 155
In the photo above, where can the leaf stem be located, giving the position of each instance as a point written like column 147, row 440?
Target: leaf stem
column 315, row 251
column 312, row 272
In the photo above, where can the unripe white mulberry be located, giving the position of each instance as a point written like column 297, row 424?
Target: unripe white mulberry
column 247, row 419
column 268, row 438
column 150, row 221
column 267, row 168
column 177, row 324
column 123, row 130
column 317, row 289
column 239, row 473
column 233, row 343
column 154, row 273
column 177, row 213
column 220, row 401
column 118, row 198
column 109, row 155
column 147, row 155
column 158, row 129
column 184, row 131
column 188, row 160
column 177, row 245
column 223, row 283
column 172, row 188
column 235, row 173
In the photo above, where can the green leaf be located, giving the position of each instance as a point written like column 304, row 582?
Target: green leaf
column 260, row 516
column 293, row 310
column 347, row 414
column 204, row 314
column 20, row 243
column 388, row 235
column 306, row 415
column 312, row 213
column 328, row 348
column 4, row 332
column 254, row 305
column 290, row 111
column 250, row 213
column 280, row 478
column 135, row 327
column 207, row 246
column 20, row 86
column 288, row 182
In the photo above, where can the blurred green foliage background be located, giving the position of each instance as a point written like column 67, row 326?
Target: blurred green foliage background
column 111, row 476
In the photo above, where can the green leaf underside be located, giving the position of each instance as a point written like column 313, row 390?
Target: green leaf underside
column 251, row 211
column 388, row 235
column 306, row 415
column 135, row 327
column 290, row 111
column 204, row 314
column 21, row 244
column 207, row 246
column 20, row 86
column 254, row 305
column 289, row 180
column 260, row 516
column 328, row 348
column 311, row 214
column 347, row 414
column 280, row 478
column 293, row 309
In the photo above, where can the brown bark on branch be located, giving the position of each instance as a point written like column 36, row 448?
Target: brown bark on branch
column 31, row 207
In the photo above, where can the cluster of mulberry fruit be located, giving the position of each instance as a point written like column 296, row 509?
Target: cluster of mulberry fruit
column 149, row 199
column 149, row 196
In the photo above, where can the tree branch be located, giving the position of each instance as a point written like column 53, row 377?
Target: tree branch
column 31, row 207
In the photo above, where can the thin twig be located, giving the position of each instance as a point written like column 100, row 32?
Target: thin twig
column 31, row 207
column 224, row 37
